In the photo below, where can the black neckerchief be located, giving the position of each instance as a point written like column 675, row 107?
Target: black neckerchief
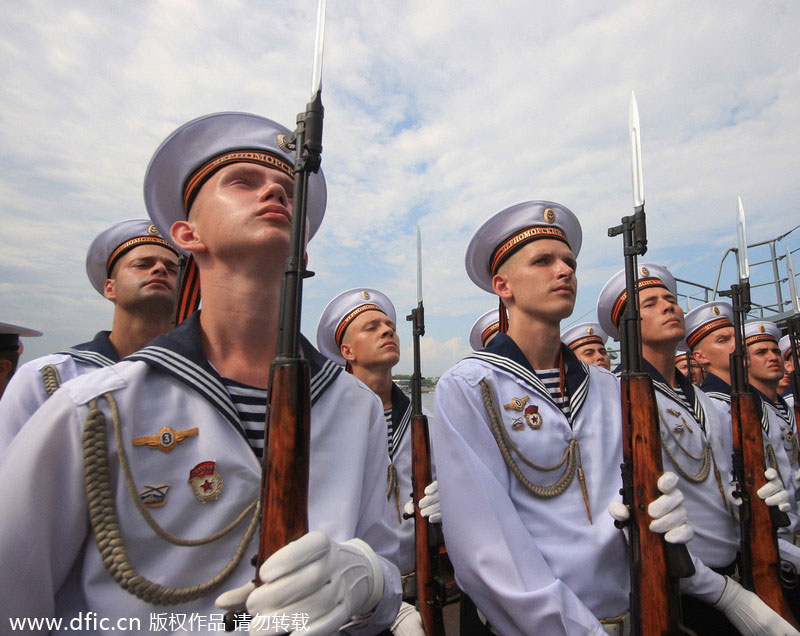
column 401, row 417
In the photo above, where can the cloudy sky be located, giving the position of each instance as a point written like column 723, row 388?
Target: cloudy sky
column 438, row 113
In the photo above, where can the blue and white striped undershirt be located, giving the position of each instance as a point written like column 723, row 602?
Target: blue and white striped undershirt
column 251, row 404
column 551, row 378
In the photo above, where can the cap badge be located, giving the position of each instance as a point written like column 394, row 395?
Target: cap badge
column 152, row 230
column 166, row 439
column 590, row 330
column 205, row 481
column 548, row 215
column 715, row 310
column 533, row 417
column 283, row 143
column 154, row 495
column 762, row 328
column 517, row 404
column 365, row 294
column 643, row 271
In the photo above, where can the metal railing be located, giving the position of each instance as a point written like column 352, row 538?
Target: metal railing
column 765, row 282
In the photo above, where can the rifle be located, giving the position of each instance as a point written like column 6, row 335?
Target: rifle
column 655, row 564
column 759, row 559
column 284, row 495
column 430, row 587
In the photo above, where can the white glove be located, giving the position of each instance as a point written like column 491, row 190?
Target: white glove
column 749, row 614
column 773, row 493
column 408, row 622
column 327, row 581
column 429, row 506
column 669, row 517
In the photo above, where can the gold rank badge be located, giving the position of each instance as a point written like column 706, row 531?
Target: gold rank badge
column 517, row 404
column 166, row 439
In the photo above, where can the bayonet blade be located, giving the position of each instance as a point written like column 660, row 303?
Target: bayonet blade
column 744, row 262
column 792, row 283
column 319, row 41
column 636, row 153
column 419, row 266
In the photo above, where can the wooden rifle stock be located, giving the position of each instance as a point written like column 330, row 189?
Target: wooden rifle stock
column 655, row 565
column 760, row 562
column 654, row 562
column 429, row 586
column 284, row 485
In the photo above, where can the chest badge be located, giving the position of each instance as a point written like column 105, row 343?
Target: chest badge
column 154, row 495
column 517, row 404
column 205, row 481
column 516, row 423
column 533, row 417
column 166, row 439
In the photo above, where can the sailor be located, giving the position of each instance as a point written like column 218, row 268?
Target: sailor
column 11, row 349
column 788, row 363
column 693, row 449
column 134, row 267
column 485, row 328
column 588, row 342
column 765, row 369
column 171, row 435
column 358, row 330
column 710, row 335
column 527, row 445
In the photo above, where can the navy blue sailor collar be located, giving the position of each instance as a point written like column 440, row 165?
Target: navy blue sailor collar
column 684, row 393
column 99, row 351
column 503, row 352
column 180, row 354
column 716, row 387
column 776, row 406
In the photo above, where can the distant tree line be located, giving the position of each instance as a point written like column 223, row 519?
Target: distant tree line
column 405, row 379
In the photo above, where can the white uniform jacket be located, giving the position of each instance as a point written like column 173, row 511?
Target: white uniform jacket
column 26, row 391
column 400, row 459
column 779, row 434
column 689, row 421
column 51, row 563
column 530, row 564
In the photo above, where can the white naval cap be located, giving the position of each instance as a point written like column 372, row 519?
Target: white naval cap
column 10, row 334
column 112, row 243
column 506, row 231
column 706, row 318
column 681, row 353
column 192, row 153
column 759, row 330
column 341, row 311
column 483, row 329
column 613, row 296
column 786, row 347
column 583, row 334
